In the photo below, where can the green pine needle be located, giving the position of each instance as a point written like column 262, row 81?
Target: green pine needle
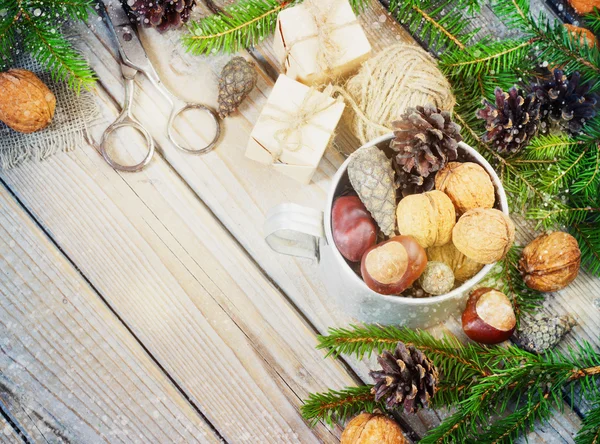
column 590, row 428
column 339, row 405
column 237, row 27
column 38, row 22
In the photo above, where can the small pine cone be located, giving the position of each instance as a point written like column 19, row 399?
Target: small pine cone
column 536, row 335
column 407, row 377
column 160, row 14
column 425, row 140
column 565, row 102
column 511, row 122
column 371, row 175
column 237, row 79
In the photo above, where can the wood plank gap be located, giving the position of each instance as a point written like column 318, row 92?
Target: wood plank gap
column 114, row 312
column 14, row 424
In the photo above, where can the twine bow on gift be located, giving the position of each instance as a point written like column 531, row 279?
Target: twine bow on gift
column 328, row 51
column 314, row 102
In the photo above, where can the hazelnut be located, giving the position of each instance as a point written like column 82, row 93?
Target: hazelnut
column 428, row 217
column 467, row 185
column 484, row 235
column 368, row 428
column 392, row 266
column 354, row 230
column 26, row 103
column 437, row 278
column 488, row 317
column 462, row 267
column 584, row 6
column 550, row 262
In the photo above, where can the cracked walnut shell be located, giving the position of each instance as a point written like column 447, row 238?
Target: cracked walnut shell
column 26, row 103
column 550, row 262
column 368, row 428
column 468, row 185
column 428, row 217
column 463, row 267
column 484, row 235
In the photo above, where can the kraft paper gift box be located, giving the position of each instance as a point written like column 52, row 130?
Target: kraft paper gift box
column 294, row 129
column 319, row 40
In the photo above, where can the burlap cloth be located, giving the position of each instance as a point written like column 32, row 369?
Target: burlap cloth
column 66, row 132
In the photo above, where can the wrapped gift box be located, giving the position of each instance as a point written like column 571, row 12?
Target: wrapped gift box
column 319, row 40
column 294, row 129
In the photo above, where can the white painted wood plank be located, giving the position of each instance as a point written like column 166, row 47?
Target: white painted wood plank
column 187, row 290
column 69, row 370
column 8, row 434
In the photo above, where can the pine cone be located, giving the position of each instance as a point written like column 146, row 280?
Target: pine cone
column 237, row 79
column 565, row 102
column 407, row 377
column 536, row 335
column 512, row 122
column 160, row 14
column 371, row 175
column 425, row 139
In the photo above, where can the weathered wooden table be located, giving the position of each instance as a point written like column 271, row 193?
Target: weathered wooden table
column 148, row 308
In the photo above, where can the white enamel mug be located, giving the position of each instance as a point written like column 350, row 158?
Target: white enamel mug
column 305, row 232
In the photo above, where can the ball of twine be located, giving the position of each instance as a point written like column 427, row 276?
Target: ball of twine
column 400, row 77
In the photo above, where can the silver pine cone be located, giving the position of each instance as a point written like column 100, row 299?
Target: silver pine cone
column 237, row 79
column 539, row 334
column 372, row 177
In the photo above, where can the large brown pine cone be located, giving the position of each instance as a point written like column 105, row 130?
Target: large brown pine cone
column 426, row 139
column 407, row 377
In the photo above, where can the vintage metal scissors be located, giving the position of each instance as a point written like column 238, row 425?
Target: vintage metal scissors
column 134, row 60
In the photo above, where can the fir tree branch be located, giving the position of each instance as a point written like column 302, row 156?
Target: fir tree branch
column 339, row 404
column 590, row 428
column 588, row 238
column 237, row 27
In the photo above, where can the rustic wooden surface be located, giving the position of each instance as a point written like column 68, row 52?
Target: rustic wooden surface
column 148, row 308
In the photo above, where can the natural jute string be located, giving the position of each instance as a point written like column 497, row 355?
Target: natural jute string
column 399, row 77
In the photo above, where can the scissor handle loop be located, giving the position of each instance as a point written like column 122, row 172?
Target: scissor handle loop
column 204, row 108
column 125, row 121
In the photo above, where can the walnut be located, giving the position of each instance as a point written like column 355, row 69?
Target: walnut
column 463, row 267
column 484, row 235
column 26, row 103
column 368, row 428
column 428, row 217
column 467, row 184
column 550, row 262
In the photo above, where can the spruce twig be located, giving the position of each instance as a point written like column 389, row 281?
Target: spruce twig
column 38, row 23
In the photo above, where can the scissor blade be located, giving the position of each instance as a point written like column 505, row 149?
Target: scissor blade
column 131, row 49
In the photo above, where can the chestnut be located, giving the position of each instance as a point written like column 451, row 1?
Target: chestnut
column 488, row 317
column 392, row 266
column 354, row 229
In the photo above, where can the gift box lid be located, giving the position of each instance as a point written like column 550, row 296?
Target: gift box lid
column 295, row 125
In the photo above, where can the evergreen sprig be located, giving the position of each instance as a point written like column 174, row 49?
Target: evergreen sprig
column 238, row 26
column 38, row 23
column 590, row 428
column 500, row 392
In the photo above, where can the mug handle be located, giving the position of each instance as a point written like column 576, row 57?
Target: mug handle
column 294, row 230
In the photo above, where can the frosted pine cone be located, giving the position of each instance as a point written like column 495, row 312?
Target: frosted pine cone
column 161, row 14
column 537, row 335
column 371, row 175
column 511, row 122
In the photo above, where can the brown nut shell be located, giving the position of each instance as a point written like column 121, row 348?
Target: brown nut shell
column 550, row 262
column 463, row 267
column 488, row 317
column 468, row 185
column 484, row 235
column 392, row 266
column 368, row 428
column 26, row 103
column 583, row 35
column 428, row 217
